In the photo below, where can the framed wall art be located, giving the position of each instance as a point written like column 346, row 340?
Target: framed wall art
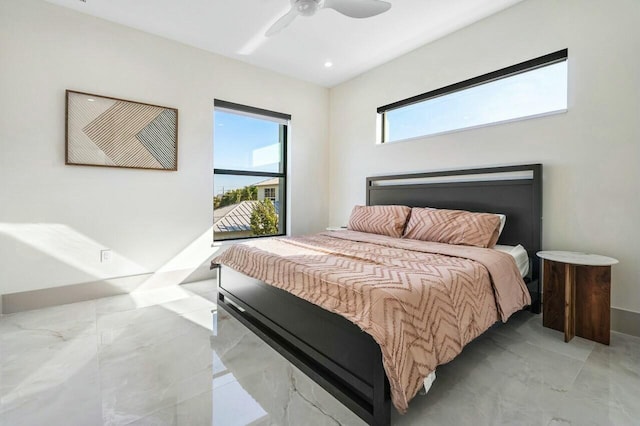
column 111, row 132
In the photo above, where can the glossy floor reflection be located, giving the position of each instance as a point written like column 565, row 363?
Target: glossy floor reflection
column 154, row 359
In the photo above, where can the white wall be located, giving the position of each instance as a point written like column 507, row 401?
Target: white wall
column 54, row 219
column 590, row 154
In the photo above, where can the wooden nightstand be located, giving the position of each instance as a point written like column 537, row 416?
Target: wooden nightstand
column 576, row 295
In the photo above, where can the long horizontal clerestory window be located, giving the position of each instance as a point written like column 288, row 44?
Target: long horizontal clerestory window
column 529, row 89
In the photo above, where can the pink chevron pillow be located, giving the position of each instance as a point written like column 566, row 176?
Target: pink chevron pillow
column 383, row 220
column 453, row 227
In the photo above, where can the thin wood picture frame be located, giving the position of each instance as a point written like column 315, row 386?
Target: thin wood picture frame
column 103, row 131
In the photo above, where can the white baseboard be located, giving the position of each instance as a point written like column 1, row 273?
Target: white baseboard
column 38, row 299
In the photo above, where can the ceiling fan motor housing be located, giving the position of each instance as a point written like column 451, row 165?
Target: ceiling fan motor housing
column 307, row 7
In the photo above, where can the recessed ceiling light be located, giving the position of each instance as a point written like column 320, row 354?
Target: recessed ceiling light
column 91, row 100
column 328, row 64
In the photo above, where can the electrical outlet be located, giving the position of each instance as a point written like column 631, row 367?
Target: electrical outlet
column 105, row 256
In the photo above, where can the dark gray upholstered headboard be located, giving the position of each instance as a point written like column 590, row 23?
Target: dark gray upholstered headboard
column 515, row 191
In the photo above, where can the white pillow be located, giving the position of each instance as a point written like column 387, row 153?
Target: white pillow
column 519, row 254
column 503, row 220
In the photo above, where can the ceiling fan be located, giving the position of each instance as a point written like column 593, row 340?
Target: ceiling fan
column 350, row 8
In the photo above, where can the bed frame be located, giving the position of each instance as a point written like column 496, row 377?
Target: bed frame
column 334, row 352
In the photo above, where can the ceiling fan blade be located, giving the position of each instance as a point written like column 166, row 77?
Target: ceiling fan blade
column 282, row 23
column 358, row 8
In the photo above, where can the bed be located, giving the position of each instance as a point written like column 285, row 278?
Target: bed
column 334, row 351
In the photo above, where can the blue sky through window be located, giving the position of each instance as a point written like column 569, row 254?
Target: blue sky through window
column 539, row 91
column 244, row 143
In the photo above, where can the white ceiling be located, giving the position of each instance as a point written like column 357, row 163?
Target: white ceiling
column 235, row 28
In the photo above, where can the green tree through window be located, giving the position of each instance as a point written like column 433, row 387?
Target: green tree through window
column 264, row 220
column 235, row 196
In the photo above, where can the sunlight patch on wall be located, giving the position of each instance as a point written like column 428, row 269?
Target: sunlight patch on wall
column 183, row 264
column 71, row 247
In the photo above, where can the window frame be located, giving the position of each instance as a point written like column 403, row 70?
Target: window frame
column 283, row 120
column 522, row 67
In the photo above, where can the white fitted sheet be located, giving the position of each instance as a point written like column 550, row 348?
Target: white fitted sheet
column 519, row 254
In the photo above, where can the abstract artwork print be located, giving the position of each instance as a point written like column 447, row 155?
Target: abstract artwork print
column 110, row 132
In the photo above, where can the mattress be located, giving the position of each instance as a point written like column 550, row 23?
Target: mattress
column 519, row 254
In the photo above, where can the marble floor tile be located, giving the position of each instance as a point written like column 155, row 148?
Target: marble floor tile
column 206, row 289
column 141, row 299
column 200, row 287
column 607, row 390
column 153, row 378
column 525, row 326
column 49, row 380
column 65, row 321
column 151, row 364
column 196, row 411
column 152, row 314
column 170, row 357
